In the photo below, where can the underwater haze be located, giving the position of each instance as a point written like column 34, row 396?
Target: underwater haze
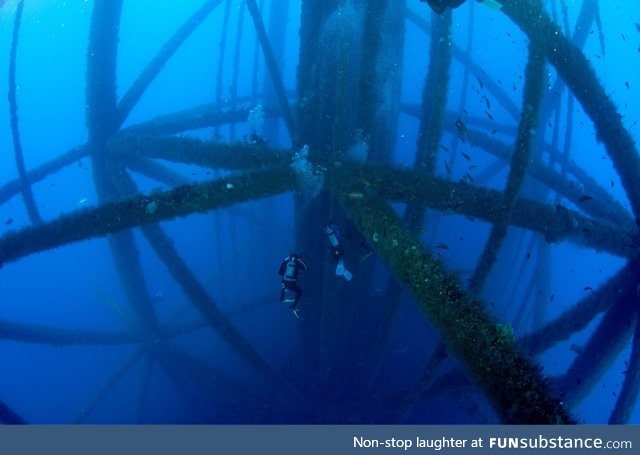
column 319, row 211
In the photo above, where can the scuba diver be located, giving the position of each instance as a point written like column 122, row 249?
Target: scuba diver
column 332, row 232
column 290, row 291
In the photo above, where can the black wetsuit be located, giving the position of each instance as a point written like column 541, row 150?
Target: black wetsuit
column 289, row 270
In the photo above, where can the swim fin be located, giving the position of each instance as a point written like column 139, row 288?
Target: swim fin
column 342, row 271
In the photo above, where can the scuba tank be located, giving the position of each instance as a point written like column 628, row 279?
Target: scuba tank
column 333, row 233
column 290, row 271
column 332, row 236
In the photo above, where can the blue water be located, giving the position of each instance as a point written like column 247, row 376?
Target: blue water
column 235, row 252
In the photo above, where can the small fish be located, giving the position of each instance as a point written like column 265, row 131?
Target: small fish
column 486, row 101
column 481, row 83
column 585, row 198
column 468, row 177
column 637, row 27
column 9, row 221
column 82, row 201
column 447, row 167
column 442, row 246
column 626, row 84
column 472, row 167
column 587, row 288
column 366, row 256
column 462, row 128
column 528, row 255
column 612, row 183
column 365, row 181
column 466, row 156
column 488, row 115
column 445, row 148
column 355, row 195
column 624, row 38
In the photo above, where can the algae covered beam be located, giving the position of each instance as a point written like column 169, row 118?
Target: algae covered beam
column 272, row 67
column 39, row 334
column 533, row 86
column 110, row 385
column 579, row 316
column 27, row 193
column 487, row 351
column 556, row 223
column 434, row 101
column 12, row 187
column 135, row 92
column 474, row 68
column 631, row 386
column 202, row 116
column 102, row 56
column 434, row 94
column 579, row 75
column 193, row 151
column 597, row 355
column 603, row 205
column 116, row 216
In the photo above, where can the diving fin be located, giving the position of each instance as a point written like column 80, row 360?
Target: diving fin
column 342, row 271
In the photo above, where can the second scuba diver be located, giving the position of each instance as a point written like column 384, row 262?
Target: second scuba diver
column 332, row 232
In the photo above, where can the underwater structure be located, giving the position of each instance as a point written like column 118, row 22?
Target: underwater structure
column 339, row 130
